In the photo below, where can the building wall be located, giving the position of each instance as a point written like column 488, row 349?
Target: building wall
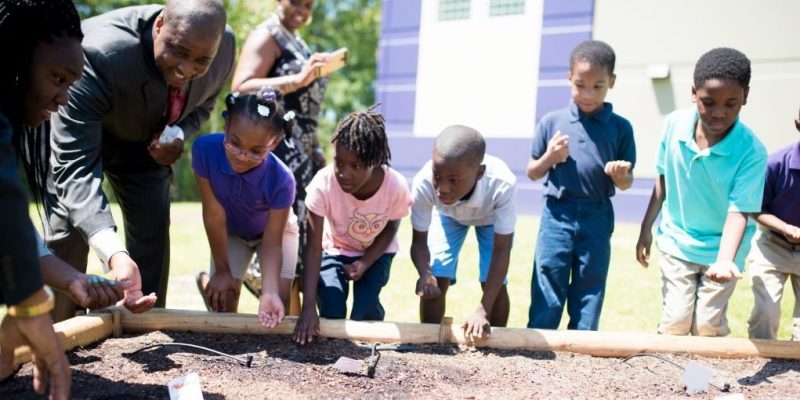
column 501, row 74
column 481, row 71
column 676, row 33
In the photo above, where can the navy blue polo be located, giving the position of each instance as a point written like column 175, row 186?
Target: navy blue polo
column 594, row 140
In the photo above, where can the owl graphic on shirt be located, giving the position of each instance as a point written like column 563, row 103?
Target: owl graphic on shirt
column 364, row 227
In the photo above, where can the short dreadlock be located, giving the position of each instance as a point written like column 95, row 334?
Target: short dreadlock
column 364, row 134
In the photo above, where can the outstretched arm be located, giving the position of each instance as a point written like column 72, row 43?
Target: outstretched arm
column 308, row 324
column 477, row 325
column 645, row 232
column 270, row 308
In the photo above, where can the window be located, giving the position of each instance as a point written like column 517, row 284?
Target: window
column 506, row 7
column 453, row 9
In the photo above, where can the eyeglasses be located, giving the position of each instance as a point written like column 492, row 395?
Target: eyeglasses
column 237, row 151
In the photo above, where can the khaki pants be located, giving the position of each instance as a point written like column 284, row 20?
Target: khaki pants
column 772, row 261
column 692, row 303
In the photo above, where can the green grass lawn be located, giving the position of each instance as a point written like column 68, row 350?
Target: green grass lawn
column 632, row 303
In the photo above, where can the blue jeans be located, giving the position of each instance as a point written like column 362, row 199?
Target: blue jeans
column 574, row 241
column 334, row 286
column 445, row 239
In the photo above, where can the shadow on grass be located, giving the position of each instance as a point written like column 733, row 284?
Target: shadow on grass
column 774, row 367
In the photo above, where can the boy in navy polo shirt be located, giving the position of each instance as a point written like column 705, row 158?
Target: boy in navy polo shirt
column 586, row 150
column 776, row 249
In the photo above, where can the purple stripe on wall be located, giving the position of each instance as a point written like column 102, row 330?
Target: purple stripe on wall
column 403, row 60
column 551, row 98
column 568, row 20
column 556, row 48
column 554, row 8
column 397, row 64
column 404, row 15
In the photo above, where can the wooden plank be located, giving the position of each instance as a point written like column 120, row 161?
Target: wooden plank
column 604, row 344
column 74, row 332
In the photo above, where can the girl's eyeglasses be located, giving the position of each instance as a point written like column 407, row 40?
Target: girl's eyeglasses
column 237, row 151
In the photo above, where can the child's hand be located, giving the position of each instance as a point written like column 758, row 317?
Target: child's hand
column 477, row 325
column 617, row 169
column 220, row 289
column 270, row 310
column 723, row 271
column 307, row 327
column 558, row 147
column 791, row 233
column 427, row 287
column 355, row 270
column 643, row 247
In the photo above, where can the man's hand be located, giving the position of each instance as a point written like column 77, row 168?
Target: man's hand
column 791, row 233
column 558, row 147
column 355, row 270
column 124, row 269
column 307, row 327
column 643, row 247
column 617, row 169
column 222, row 289
column 723, row 271
column 49, row 362
column 165, row 154
column 477, row 325
column 428, row 287
column 270, row 310
column 93, row 292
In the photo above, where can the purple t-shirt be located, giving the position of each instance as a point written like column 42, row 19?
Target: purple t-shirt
column 248, row 197
column 782, row 189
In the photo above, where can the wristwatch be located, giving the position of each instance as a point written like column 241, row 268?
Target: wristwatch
column 34, row 310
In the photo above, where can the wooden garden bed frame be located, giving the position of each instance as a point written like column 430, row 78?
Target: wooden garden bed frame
column 85, row 330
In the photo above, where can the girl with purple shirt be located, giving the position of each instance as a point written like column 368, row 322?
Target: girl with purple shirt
column 247, row 195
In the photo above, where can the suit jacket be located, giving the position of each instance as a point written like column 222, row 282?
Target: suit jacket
column 114, row 110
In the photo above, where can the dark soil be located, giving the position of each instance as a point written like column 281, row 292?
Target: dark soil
column 282, row 370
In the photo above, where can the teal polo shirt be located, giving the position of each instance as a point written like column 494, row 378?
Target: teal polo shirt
column 703, row 186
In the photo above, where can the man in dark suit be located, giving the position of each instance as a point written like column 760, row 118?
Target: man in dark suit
column 151, row 77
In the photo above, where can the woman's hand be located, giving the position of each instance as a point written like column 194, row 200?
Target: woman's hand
column 311, row 69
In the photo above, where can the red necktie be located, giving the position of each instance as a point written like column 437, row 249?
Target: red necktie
column 176, row 101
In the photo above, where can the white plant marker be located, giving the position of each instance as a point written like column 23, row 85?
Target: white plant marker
column 185, row 387
column 696, row 377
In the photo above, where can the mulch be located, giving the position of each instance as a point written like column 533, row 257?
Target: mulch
column 280, row 369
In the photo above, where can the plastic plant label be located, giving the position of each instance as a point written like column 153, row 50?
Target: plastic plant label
column 696, row 377
column 170, row 134
column 185, row 387
column 347, row 365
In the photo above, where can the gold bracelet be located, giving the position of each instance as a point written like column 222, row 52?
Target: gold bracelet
column 34, row 310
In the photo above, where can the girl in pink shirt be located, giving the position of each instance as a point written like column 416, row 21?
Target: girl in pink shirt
column 354, row 211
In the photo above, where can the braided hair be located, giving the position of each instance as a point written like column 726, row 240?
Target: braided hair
column 364, row 134
column 23, row 25
column 263, row 107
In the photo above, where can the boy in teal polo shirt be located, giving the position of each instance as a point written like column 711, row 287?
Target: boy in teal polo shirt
column 711, row 175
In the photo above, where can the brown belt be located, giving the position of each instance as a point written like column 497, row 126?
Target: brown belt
column 772, row 237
